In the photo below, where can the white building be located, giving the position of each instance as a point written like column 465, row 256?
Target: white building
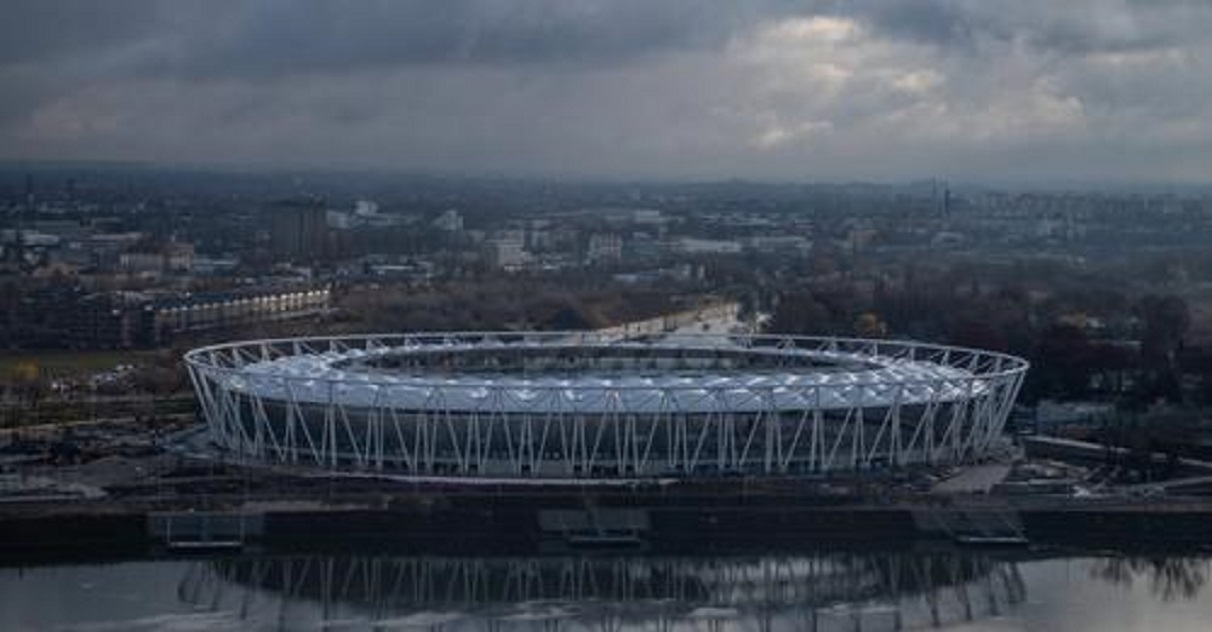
column 506, row 251
column 604, row 249
column 697, row 246
column 450, row 221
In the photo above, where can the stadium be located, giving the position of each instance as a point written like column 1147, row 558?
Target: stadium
column 601, row 406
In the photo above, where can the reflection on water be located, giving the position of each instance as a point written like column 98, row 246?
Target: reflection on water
column 603, row 593
column 819, row 592
column 1169, row 578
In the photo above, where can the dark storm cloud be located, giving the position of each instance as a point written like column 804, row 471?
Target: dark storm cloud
column 1060, row 27
column 271, row 37
column 46, row 31
column 330, row 35
column 701, row 87
column 49, row 47
column 277, row 38
column 938, row 23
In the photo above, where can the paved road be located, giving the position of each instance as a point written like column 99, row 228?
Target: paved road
column 40, row 429
column 973, row 479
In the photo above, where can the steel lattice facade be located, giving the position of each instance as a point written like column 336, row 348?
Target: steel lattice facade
column 586, row 405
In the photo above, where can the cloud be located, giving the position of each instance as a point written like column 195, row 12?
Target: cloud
column 1103, row 89
column 282, row 38
column 48, row 31
column 1071, row 27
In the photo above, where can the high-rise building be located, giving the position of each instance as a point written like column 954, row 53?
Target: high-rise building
column 299, row 231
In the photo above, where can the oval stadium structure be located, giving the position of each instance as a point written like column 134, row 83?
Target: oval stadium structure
column 586, row 405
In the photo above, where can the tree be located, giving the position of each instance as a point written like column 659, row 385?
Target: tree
column 1061, row 363
column 30, row 385
column 869, row 325
column 800, row 313
column 568, row 318
column 1166, row 321
column 978, row 333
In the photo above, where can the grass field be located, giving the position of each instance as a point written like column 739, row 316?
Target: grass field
column 69, row 363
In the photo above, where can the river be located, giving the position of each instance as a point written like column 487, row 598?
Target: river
column 822, row 591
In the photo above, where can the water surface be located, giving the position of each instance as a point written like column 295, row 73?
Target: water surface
column 827, row 591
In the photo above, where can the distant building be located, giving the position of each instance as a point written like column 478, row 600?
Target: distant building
column 648, row 216
column 212, row 266
column 604, row 249
column 123, row 320
column 539, row 236
column 450, row 221
column 778, row 244
column 169, row 258
column 621, row 216
column 217, row 310
column 106, row 248
column 1057, row 417
column 299, row 231
column 506, row 251
column 696, row 246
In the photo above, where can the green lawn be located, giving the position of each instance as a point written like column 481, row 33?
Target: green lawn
column 69, row 363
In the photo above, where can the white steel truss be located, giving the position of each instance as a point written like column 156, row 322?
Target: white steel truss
column 651, row 407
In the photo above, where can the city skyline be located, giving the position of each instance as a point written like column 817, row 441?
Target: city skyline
column 1094, row 91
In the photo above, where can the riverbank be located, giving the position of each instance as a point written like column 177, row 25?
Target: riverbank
column 417, row 520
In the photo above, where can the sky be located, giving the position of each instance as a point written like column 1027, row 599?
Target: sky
column 882, row 90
